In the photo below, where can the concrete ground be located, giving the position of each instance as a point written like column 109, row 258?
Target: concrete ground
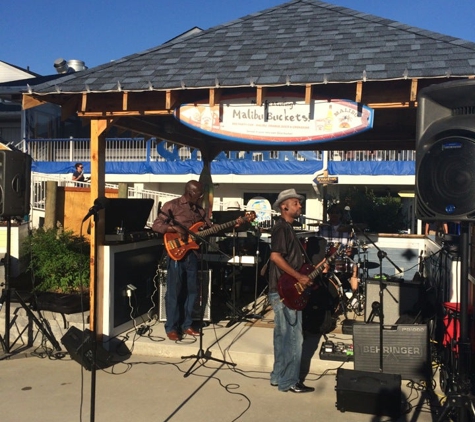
column 158, row 380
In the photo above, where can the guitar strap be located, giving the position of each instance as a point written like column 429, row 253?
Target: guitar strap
column 304, row 252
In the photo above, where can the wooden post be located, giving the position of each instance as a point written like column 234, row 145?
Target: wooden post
column 50, row 204
column 98, row 165
column 123, row 190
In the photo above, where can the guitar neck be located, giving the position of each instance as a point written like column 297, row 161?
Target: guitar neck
column 317, row 271
column 215, row 228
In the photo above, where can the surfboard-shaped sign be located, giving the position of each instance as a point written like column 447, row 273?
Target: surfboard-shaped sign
column 279, row 120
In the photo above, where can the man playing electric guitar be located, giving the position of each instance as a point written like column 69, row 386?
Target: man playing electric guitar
column 174, row 218
column 287, row 256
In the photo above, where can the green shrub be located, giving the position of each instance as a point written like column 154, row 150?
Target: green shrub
column 59, row 260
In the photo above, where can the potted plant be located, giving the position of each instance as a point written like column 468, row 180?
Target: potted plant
column 59, row 264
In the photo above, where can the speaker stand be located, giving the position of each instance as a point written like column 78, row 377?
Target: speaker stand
column 6, row 298
column 460, row 400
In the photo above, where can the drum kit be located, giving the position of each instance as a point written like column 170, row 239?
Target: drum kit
column 345, row 285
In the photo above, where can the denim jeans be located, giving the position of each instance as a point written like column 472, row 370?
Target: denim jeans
column 288, row 340
column 182, row 290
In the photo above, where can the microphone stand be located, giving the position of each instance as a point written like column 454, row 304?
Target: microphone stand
column 382, row 287
column 94, row 211
column 201, row 354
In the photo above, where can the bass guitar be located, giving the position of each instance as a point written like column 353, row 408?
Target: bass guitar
column 292, row 293
column 177, row 247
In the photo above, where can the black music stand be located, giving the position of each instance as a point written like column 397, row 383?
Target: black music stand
column 202, row 354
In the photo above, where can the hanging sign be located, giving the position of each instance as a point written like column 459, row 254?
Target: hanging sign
column 279, row 120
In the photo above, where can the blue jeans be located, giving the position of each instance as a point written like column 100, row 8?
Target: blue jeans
column 288, row 340
column 179, row 307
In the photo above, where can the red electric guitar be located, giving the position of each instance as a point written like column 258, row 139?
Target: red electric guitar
column 293, row 294
column 177, row 247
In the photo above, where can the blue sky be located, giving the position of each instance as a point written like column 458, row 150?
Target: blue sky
column 35, row 33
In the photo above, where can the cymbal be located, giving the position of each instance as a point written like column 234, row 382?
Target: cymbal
column 369, row 265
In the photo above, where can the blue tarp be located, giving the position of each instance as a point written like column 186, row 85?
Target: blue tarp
column 240, row 167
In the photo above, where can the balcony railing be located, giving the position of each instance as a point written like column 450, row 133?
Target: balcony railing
column 141, row 149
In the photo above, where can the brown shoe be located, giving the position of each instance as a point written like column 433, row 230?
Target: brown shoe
column 174, row 336
column 191, row 332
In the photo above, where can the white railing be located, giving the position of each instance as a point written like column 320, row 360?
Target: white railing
column 140, row 149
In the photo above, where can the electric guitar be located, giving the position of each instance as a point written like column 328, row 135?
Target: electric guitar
column 177, row 247
column 292, row 293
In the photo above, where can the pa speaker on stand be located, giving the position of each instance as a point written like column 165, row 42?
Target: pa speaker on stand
column 445, row 152
column 15, row 179
column 445, row 191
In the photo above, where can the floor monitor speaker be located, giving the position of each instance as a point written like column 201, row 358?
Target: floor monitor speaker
column 79, row 345
column 368, row 392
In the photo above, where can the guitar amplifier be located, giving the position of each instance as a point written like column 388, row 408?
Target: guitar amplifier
column 204, row 277
column 368, row 392
column 399, row 298
column 405, row 349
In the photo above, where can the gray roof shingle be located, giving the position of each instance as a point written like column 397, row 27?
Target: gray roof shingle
column 304, row 40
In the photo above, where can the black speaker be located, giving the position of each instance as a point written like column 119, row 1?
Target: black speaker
column 79, row 345
column 15, row 179
column 445, row 152
column 368, row 392
column 399, row 298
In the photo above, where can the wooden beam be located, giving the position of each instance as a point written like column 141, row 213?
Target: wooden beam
column 29, row 102
column 308, row 93
column 84, row 102
column 359, row 91
column 125, row 100
column 171, row 99
column 104, row 114
column 392, row 105
column 98, row 160
column 260, row 94
column 214, row 96
column 414, row 83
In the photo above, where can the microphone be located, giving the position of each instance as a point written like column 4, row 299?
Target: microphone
column 99, row 204
column 348, row 215
column 170, row 217
column 159, row 205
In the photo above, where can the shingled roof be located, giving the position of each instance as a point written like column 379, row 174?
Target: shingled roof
column 299, row 42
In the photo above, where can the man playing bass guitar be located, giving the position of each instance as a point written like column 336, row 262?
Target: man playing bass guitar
column 287, row 256
column 174, row 218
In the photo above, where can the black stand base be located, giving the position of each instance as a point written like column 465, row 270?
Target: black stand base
column 460, row 404
column 203, row 355
column 240, row 316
